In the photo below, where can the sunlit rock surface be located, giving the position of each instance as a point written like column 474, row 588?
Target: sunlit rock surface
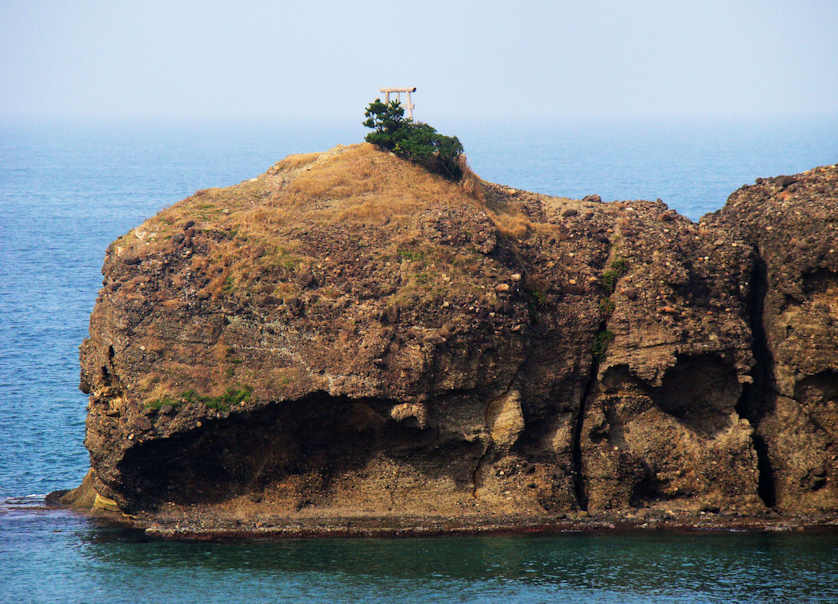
column 349, row 341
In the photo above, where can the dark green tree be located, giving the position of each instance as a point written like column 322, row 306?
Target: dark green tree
column 388, row 122
column 417, row 142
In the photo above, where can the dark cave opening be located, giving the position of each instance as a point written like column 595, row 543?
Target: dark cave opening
column 310, row 442
column 246, row 451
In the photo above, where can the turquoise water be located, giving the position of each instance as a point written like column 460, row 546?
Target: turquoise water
column 66, row 191
column 90, row 563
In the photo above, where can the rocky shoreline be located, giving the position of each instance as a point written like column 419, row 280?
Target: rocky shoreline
column 201, row 526
column 394, row 525
column 348, row 344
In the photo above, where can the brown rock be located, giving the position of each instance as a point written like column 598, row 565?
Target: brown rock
column 793, row 402
column 644, row 360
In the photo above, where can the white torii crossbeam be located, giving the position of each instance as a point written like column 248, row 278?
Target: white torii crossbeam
column 398, row 91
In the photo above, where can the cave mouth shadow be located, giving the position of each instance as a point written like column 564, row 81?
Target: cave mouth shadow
column 317, row 435
column 700, row 392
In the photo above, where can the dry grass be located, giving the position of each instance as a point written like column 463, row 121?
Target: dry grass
column 256, row 225
column 263, row 240
column 470, row 183
column 346, row 184
column 362, row 184
column 295, row 162
column 514, row 225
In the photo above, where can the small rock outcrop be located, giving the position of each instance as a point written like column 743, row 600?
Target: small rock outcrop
column 348, row 337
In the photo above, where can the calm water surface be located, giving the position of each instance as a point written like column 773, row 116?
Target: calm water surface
column 66, row 191
column 89, row 563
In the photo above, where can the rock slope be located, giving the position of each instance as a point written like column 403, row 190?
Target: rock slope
column 349, row 339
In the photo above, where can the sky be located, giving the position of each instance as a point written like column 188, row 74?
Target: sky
column 293, row 60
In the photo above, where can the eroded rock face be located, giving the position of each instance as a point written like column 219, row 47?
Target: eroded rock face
column 349, row 335
column 661, row 424
column 791, row 223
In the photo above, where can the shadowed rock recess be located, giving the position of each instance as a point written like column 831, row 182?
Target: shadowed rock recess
column 348, row 343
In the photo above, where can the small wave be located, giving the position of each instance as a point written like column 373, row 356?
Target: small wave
column 34, row 500
column 25, row 506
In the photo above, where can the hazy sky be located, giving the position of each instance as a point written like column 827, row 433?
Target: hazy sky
column 287, row 59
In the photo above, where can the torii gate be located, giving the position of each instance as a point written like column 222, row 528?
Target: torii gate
column 399, row 91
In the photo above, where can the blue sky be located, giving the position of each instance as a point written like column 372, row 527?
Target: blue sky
column 317, row 59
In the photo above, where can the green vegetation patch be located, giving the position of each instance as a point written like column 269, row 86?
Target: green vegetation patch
column 601, row 341
column 620, row 265
column 411, row 255
column 161, row 402
column 609, row 278
column 606, row 306
column 275, row 256
column 417, row 142
column 232, row 396
column 536, row 298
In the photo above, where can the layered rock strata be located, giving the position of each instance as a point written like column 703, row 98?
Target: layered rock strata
column 350, row 337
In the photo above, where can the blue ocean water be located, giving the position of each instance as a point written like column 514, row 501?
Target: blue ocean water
column 67, row 190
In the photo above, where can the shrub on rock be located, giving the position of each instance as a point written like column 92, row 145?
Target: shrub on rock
column 417, row 142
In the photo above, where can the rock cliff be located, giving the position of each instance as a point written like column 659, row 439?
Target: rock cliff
column 349, row 341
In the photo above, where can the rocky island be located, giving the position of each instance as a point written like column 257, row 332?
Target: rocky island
column 350, row 344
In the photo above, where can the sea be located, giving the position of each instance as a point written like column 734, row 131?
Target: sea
column 70, row 187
